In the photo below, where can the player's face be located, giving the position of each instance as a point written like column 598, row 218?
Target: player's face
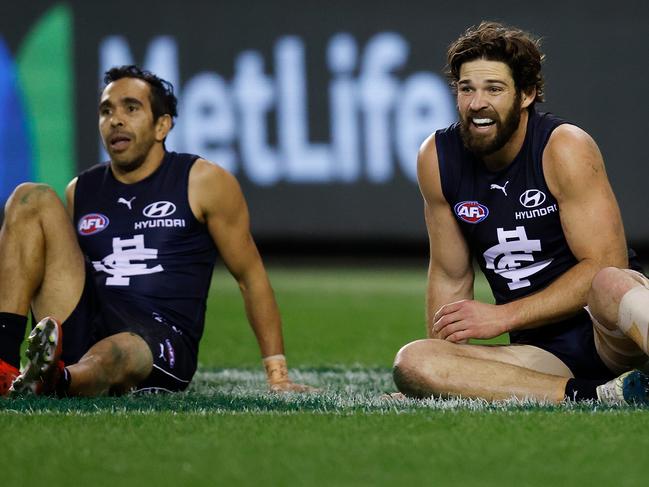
column 126, row 123
column 489, row 105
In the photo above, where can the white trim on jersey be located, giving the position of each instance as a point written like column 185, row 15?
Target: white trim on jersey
column 171, row 375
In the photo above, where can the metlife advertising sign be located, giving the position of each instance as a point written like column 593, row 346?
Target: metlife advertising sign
column 376, row 121
column 318, row 108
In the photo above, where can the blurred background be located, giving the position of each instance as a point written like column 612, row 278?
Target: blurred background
column 318, row 107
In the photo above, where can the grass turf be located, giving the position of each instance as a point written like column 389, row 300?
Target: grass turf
column 331, row 316
column 444, row 448
column 342, row 328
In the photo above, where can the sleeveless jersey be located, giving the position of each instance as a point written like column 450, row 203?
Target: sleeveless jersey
column 509, row 218
column 145, row 246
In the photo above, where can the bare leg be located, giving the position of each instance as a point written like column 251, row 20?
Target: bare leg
column 41, row 265
column 619, row 300
column 113, row 365
column 432, row 367
column 40, row 260
column 607, row 290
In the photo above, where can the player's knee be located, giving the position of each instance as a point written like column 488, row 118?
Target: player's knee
column 606, row 292
column 605, row 281
column 414, row 368
column 608, row 286
column 27, row 200
column 135, row 358
column 124, row 360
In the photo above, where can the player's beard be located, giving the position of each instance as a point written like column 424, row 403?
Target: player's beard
column 505, row 128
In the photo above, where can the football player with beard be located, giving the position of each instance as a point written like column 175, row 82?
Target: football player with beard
column 525, row 194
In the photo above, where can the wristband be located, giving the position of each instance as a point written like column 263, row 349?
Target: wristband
column 276, row 370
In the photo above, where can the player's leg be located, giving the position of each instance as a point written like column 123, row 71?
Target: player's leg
column 619, row 302
column 114, row 365
column 152, row 356
column 137, row 352
column 40, row 264
column 619, row 305
column 40, row 261
column 432, row 367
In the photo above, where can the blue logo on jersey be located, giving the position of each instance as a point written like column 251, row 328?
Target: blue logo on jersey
column 471, row 211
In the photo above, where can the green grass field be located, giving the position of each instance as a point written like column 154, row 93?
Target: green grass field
column 342, row 329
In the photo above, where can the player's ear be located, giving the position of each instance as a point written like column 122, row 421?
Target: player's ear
column 528, row 96
column 162, row 127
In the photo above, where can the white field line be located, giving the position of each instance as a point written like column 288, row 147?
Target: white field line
column 363, row 380
column 354, row 389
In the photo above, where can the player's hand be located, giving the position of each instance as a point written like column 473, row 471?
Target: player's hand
column 290, row 386
column 457, row 322
column 277, row 376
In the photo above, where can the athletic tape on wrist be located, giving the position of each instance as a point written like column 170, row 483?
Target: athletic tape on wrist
column 276, row 369
column 279, row 356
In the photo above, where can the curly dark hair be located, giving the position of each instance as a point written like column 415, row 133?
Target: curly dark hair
column 162, row 98
column 496, row 42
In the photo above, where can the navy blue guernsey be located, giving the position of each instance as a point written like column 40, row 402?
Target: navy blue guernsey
column 145, row 246
column 509, row 218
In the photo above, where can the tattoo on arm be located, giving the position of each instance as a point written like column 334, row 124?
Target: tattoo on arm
column 37, row 189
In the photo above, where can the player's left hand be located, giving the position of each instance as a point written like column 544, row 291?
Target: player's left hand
column 457, row 322
column 290, row 386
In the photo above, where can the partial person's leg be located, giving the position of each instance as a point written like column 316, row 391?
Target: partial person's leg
column 114, row 365
column 619, row 300
column 40, row 265
column 432, row 367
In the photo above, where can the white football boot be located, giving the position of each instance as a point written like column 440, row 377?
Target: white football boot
column 42, row 371
column 630, row 388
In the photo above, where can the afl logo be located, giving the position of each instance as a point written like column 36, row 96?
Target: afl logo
column 471, row 211
column 159, row 209
column 92, row 223
column 532, row 198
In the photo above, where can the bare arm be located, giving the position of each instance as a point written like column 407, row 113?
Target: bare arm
column 216, row 199
column 69, row 197
column 591, row 222
column 450, row 271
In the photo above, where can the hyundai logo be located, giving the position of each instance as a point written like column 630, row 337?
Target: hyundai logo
column 532, row 198
column 159, row 209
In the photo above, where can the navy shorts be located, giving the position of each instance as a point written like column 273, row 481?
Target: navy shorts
column 97, row 316
column 572, row 341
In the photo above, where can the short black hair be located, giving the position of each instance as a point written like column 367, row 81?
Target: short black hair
column 162, row 98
